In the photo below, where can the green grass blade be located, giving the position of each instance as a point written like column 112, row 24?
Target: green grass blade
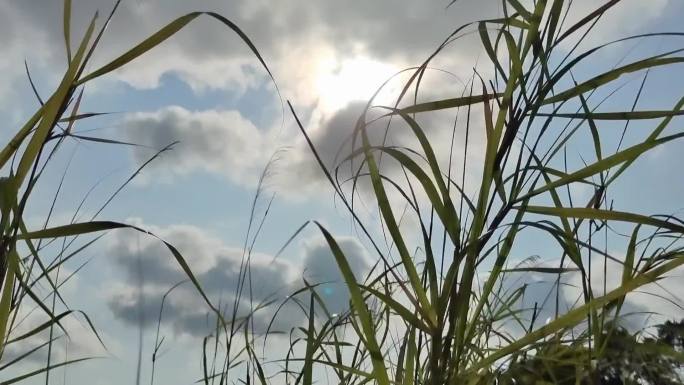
column 43, row 370
column 604, row 215
column 51, row 110
column 588, row 18
column 67, row 28
column 489, row 49
column 26, row 354
column 595, row 137
column 535, row 21
column 622, row 115
column 359, row 305
column 554, row 18
column 409, row 370
column 393, row 228
column 6, row 299
column 625, row 156
column 19, row 137
column 163, row 34
column 575, row 316
column 444, row 104
column 308, row 358
column 401, row 310
column 96, row 226
column 520, row 9
column 656, row 132
column 611, row 75
column 543, row 270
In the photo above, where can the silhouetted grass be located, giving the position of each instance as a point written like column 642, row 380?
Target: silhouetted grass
column 440, row 315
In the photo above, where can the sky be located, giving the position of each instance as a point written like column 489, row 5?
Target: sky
column 205, row 90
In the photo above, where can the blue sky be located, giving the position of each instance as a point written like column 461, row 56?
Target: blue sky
column 205, row 89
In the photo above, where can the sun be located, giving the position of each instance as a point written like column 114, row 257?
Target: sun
column 340, row 82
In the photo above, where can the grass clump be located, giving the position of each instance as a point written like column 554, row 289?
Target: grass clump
column 442, row 314
column 23, row 266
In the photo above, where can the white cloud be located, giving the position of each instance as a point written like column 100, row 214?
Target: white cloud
column 296, row 38
column 292, row 36
column 223, row 142
column 220, row 142
column 150, row 270
column 324, row 55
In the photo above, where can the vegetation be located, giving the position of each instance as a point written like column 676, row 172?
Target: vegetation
column 441, row 314
column 627, row 359
column 23, row 160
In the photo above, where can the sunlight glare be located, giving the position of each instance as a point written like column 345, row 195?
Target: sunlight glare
column 343, row 81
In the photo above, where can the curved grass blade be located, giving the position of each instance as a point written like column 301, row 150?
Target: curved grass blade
column 445, row 103
column 97, row 226
column 51, row 110
column 43, row 370
column 624, row 156
column 622, row 115
column 67, row 28
column 576, row 315
column 611, row 75
column 163, row 34
column 604, row 215
column 380, row 373
column 392, row 226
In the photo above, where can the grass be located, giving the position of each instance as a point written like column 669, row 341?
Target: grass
column 441, row 315
column 23, row 160
column 449, row 319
